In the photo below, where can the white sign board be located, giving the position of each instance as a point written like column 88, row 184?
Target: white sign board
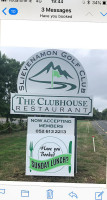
column 50, row 125
column 51, row 105
column 50, row 147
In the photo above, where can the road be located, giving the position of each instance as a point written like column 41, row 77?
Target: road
column 100, row 126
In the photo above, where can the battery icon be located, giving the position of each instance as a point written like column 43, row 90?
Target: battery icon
column 104, row 2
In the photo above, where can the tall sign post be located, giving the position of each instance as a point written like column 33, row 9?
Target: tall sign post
column 52, row 83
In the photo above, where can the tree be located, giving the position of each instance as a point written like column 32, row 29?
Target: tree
column 96, row 114
column 104, row 114
column 9, row 69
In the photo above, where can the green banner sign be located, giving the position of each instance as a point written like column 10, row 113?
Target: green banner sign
column 45, row 165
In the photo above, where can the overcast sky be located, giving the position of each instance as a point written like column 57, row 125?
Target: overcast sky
column 93, row 61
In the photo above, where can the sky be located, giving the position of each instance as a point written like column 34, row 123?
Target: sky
column 93, row 61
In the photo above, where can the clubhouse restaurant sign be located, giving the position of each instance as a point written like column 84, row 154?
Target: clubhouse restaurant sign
column 52, row 82
column 61, row 105
column 50, row 146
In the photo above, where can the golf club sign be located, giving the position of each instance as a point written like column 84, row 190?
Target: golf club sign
column 52, row 72
column 52, row 82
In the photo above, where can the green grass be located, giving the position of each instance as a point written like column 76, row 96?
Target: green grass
column 91, row 165
column 12, row 154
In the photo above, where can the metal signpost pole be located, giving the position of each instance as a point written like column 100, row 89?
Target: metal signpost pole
column 75, row 161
